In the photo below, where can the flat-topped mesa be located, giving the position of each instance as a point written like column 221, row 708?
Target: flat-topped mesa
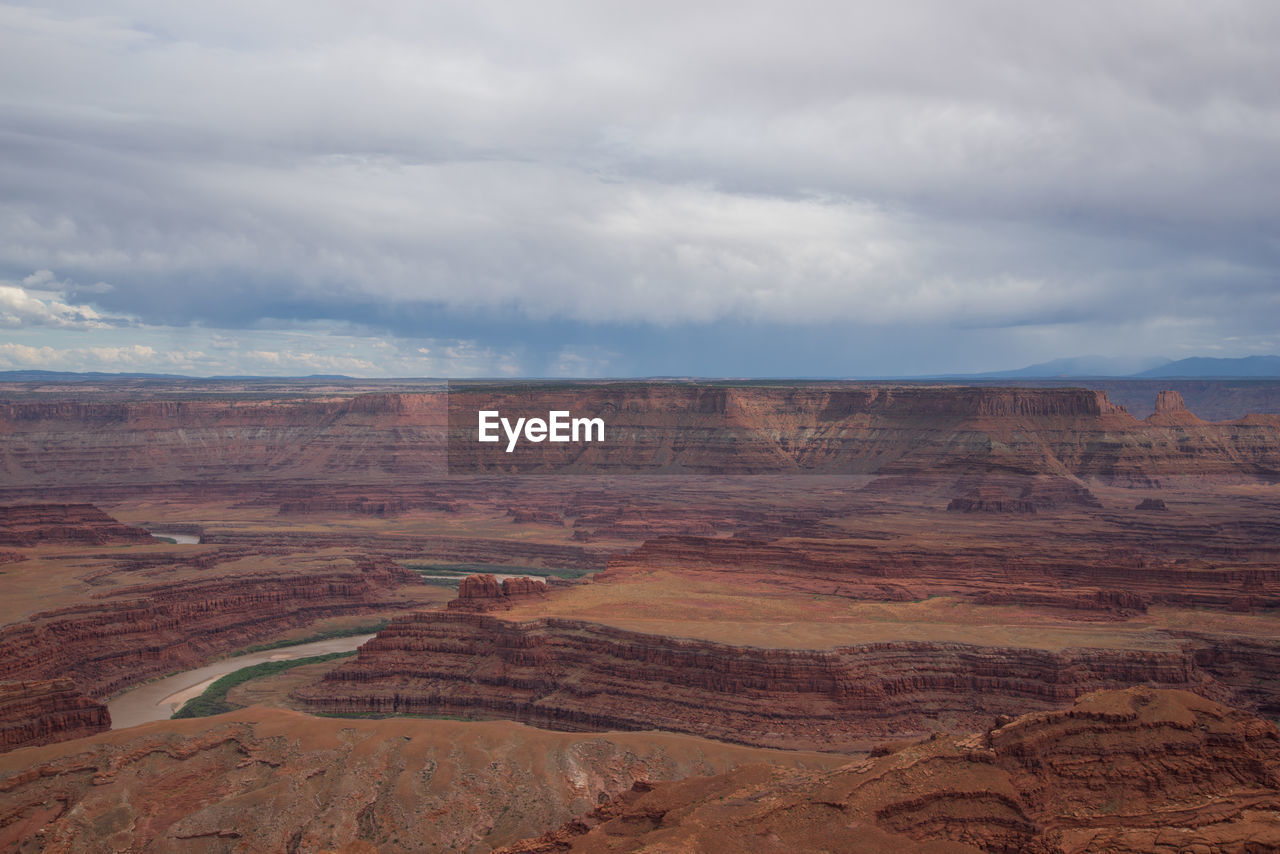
column 37, row 524
column 479, row 593
column 1070, row 403
column 47, row 710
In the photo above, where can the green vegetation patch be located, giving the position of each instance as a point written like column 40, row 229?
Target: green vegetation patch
column 461, row 570
column 443, row 582
column 327, row 634
column 382, row 716
column 214, row 699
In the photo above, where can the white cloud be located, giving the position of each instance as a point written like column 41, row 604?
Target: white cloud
column 203, row 352
column 22, row 307
column 1000, row 164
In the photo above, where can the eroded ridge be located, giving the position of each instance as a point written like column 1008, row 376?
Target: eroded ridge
column 1138, row 770
column 573, row 675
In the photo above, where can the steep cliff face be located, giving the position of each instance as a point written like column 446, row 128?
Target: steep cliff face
column 389, row 440
column 480, row 593
column 45, row 711
column 579, row 676
column 210, row 441
column 861, row 429
column 132, row 634
column 1129, row 771
column 80, row 524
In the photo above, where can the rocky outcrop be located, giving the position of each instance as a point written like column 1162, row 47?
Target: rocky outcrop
column 522, row 516
column 579, row 676
column 1104, row 603
column 1156, row 504
column 129, row 635
column 358, row 506
column 62, row 524
column 45, row 711
column 274, row 781
column 464, row 550
column 1128, row 771
column 990, row 499
column 480, row 593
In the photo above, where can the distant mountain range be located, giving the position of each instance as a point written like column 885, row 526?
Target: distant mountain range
column 23, row 376
column 1078, row 367
column 1196, row 367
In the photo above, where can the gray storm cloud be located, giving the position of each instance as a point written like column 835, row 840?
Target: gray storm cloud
column 991, row 164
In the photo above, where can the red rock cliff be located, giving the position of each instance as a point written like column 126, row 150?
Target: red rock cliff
column 478, row 593
column 579, row 676
column 833, row 428
column 45, row 711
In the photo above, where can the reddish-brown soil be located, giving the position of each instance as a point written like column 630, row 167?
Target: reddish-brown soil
column 269, row 780
column 1130, row 771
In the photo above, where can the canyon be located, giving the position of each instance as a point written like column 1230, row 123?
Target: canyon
column 827, row 574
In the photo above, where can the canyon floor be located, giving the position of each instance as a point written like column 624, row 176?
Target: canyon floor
column 942, row 620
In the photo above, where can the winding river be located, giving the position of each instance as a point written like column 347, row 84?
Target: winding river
column 180, row 539
column 158, row 700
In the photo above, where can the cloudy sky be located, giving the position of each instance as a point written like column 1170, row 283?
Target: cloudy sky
column 613, row 189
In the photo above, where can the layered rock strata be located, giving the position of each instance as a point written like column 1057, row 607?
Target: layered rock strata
column 1133, row 771
column 265, row 780
column 61, row 524
column 480, row 593
column 132, row 634
column 45, row 711
column 207, row 441
column 211, row 445
column 579, row 676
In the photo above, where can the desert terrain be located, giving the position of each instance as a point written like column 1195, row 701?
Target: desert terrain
column 864, row 616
